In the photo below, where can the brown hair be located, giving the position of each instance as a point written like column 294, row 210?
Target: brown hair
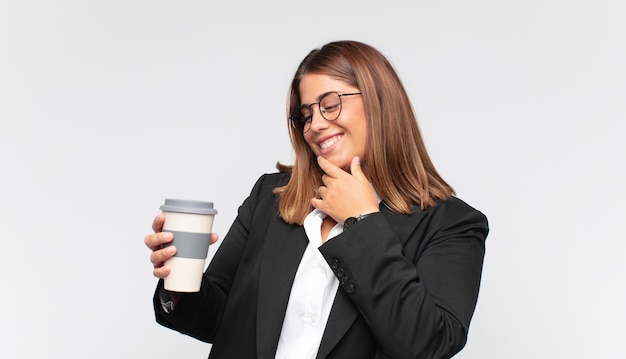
column 396, row 161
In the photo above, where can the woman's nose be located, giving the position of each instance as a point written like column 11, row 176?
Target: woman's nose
column 318, row 122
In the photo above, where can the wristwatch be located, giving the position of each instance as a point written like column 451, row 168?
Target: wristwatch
column 352, row 220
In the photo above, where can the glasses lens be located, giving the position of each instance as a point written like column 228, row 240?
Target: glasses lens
column 330, row 106
column 302, row 121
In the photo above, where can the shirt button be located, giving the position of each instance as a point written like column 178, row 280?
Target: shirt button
column 311, row 318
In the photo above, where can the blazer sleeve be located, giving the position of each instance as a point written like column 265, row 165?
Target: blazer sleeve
column 416, row 291
column 199, row 314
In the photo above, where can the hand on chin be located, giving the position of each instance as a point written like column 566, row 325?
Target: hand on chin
column 338, row 161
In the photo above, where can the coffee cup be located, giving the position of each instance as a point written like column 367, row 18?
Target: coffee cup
column 191, row 223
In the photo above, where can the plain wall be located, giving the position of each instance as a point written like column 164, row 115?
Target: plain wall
column 108, row 107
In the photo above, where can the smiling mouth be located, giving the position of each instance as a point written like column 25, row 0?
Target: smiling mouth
column 331, row 141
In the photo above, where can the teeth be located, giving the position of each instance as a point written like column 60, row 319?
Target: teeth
column 329, row 142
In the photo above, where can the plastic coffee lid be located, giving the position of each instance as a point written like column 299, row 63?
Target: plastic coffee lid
column 188, row 206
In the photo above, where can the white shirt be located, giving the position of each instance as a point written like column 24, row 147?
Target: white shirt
column 311, row 298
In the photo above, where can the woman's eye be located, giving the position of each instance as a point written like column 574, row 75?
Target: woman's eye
column 331, row 108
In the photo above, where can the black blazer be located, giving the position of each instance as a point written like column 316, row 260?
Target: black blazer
column 408, row 283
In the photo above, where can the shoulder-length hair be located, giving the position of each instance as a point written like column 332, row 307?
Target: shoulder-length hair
column 396, row 161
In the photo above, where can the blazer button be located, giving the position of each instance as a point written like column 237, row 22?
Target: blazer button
column 350, row 289
column 335, row 264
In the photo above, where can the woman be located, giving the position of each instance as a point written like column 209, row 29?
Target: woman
column 358, row 250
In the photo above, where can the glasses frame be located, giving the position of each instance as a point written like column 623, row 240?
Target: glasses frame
column 297, row 121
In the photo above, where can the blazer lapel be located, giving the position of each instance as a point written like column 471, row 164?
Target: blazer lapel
column 342, row 315
column 280, row 258
column 403, row 224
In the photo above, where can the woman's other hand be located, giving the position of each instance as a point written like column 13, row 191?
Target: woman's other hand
column 155, row 242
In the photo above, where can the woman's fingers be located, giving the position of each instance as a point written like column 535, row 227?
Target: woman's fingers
column 155, row 241
column 160, row 254
column 157, row 224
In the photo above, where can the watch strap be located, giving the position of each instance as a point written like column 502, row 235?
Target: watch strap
column 352, row 220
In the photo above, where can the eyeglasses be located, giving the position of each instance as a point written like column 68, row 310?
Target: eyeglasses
column 330, row 108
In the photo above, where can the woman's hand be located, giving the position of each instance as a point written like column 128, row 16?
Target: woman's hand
column 344, row 194
column 155, row 242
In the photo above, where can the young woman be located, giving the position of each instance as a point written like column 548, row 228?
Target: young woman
column 358, row 250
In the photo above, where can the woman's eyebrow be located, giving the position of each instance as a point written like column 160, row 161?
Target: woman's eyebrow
column 318, row 99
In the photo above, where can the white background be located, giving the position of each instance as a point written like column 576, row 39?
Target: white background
column 108, row 107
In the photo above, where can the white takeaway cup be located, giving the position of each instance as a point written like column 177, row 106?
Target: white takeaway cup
column 190, row 222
